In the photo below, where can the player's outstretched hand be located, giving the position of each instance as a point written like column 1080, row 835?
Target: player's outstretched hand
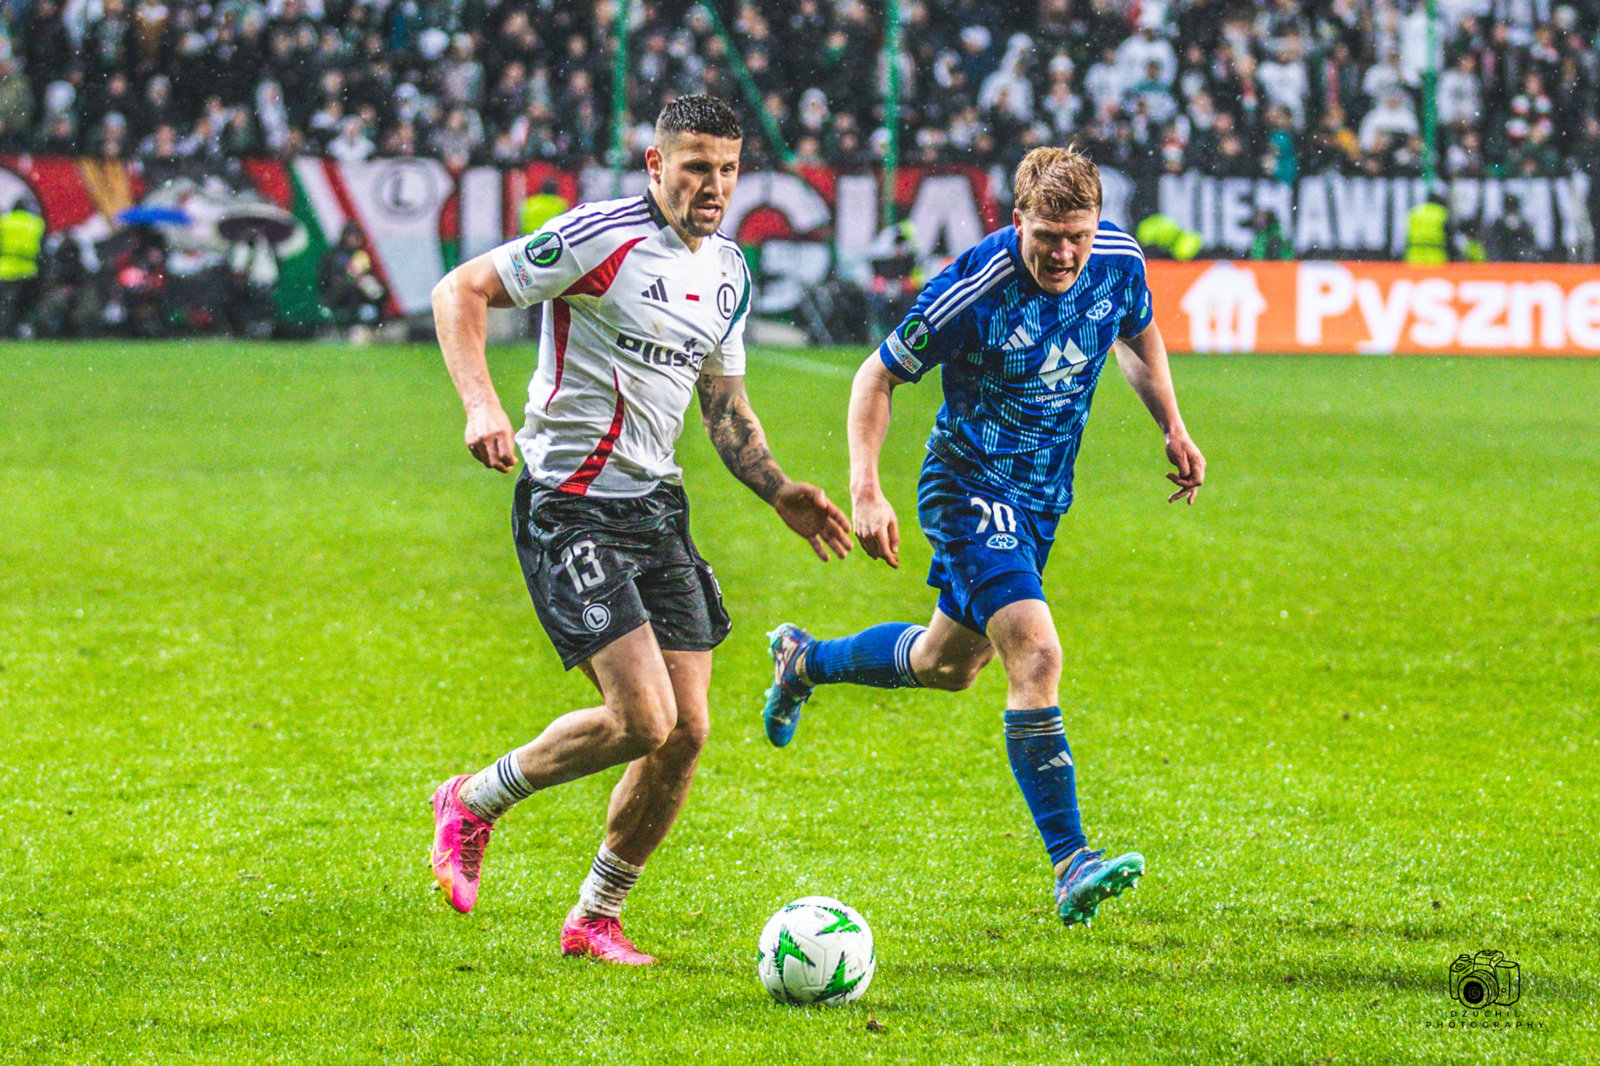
column 877, row 528
column 1183, row 454
column 490, row 439
column 807, row 510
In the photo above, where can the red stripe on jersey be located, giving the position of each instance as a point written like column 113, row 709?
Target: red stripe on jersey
column 560, row 323
column 578, row 484
column 598, row 280
column 692, row 296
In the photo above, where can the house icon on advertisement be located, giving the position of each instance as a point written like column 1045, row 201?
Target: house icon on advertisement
column 1224, row 306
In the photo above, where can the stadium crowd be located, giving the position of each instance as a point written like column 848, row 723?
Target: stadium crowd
column 1232, row 89
column 1271, row 89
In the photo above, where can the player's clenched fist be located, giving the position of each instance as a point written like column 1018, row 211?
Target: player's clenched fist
column 490, row 438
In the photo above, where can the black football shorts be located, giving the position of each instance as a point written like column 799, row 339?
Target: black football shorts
column 598, row 568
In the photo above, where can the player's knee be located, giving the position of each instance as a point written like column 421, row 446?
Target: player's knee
column 642, row 736
column 648, row 723
column 1035, row 664
column 689, row 736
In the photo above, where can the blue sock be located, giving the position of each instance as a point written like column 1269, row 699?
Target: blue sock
column 1037, row 747
column 880, row 657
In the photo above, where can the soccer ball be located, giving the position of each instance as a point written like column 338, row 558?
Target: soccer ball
column 816, row 950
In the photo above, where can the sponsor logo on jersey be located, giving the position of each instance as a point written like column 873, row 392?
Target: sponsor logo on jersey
column 596, row 617
column 519, row 269
column 660, row 355
column 1098, row 311
column 544, row 249
column 1062, row 364
column 727, row 299
column 902, row 355
column 657, row 291
column 1001, row 541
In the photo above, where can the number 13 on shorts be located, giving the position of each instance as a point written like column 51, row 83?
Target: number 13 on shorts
column 581, row 565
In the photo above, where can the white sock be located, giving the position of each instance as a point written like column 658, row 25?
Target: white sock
column 492, row 792
column 609, row 881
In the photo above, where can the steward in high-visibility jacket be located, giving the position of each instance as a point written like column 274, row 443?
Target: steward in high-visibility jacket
column 1428, row 232
column 21, row 237
column 1162, row 235
column 541, row 207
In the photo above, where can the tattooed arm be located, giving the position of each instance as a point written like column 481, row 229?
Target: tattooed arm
column 736, row 433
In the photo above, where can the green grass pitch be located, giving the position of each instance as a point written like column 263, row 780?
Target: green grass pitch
column 256, row 601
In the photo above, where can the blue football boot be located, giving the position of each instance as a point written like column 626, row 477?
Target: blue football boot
column 788, row 693
column 1091, row 880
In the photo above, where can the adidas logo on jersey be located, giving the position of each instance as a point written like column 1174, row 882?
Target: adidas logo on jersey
column 1061, row 761
column 1018, row 340
column 657, row 291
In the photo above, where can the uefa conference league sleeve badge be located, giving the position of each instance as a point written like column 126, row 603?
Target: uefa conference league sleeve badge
column 909, row 341
column 544, row 249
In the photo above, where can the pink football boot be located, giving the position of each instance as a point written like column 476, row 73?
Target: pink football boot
column 459, row 840
column 600, row 938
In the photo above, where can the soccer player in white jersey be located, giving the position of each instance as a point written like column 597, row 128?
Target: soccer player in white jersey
column 646, row 304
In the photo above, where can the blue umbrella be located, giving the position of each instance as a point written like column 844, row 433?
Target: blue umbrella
column 153, row 215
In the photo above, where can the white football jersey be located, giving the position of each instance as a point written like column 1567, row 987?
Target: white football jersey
column 633, row 317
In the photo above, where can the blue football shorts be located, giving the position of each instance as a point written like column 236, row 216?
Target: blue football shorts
column 987, row 552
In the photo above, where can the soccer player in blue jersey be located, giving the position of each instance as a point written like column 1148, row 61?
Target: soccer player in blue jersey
column 1021, row 324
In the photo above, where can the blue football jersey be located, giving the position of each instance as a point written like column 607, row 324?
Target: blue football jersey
column 1020, row 365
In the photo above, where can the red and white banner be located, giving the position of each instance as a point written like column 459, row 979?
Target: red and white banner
column 417, row 219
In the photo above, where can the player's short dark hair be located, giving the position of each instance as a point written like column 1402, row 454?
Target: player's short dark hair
column 698, row 113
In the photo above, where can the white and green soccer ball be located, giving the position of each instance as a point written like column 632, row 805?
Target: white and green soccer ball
column 817, row 950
